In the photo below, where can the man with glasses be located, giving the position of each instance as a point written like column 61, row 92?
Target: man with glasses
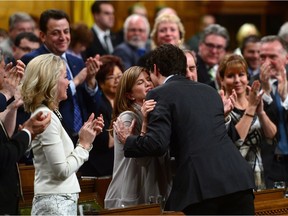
column 24, row 43
column 212, row 48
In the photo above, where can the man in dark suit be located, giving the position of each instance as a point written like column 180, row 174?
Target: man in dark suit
column 211, row 176
column 104, row 40
column 12, row 148
column 136, row 33
column 273, row 77
column 55, row 34
column 212, row 48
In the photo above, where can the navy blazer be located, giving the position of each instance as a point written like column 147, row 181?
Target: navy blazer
column 128, row 54
column 96, row 47
column 66, row 107
column 189, row 120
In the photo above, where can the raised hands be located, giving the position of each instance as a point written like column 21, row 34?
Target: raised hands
column 228, row 101
column 122, row 131
column 37, row 124
column 282, row 82
column 93, row 65
column 254, row 96
column 265, row 72
column 91, row 128
column 12, row 77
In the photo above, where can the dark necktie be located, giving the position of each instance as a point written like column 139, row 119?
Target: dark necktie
column 106, row 39
column 141, row 52
column 77, row 123
column 282, row 145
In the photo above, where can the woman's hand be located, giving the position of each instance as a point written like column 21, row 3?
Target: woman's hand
column 254, row 96
column 147, row 107
column 89, row 130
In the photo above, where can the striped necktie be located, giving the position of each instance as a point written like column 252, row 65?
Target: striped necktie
column 77, row 123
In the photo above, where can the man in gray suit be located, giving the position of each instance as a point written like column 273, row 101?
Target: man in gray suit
column 136, row 33
column 211, row 176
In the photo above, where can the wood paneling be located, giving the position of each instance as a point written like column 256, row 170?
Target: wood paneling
column 268, row 16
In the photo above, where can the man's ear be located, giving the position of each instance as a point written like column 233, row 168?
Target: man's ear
column 155, row 70
column 42, row 36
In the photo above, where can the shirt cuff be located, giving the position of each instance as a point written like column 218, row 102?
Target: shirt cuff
column 72, row 87
column 285, row 103
column 29, row 134
column 90, row 91
column 267, row 98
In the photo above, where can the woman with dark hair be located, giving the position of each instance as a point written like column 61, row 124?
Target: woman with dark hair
column 101, row 158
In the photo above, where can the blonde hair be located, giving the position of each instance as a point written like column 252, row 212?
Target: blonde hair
column 167, row 18
column 39, row 84
column 246, row 30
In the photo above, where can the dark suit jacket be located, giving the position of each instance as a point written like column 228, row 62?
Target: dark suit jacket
column 268, row 150
column 11, row 150
column 66, row 107
column 189, row 119
column 202, row 71
column 101, row 157
column 96, row 47
column 128, row 54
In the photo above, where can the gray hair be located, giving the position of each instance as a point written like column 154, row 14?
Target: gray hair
column 19, row 17
column 135, row 17
column 272, row 38
column 283, row 31
column 215, row 29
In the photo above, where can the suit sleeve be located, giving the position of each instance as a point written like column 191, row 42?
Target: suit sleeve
column 12, row 150
column 124, row 57
column 157, row 139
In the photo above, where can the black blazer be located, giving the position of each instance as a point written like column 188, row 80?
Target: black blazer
column 189, row 119
column 96, row 47
column 11, row 150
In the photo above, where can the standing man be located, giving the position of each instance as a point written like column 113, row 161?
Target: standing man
column 136, row 33
column 12, row 148
column 104, row 41
column 18, row 22
column 211, row 176
column 273, row 77
column 24, row 43
column 212, row 48
column 250, row 50
column 55, row 35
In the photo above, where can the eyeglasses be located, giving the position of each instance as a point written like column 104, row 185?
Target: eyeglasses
column 26, row 49
column 112, row 77
column 213, row 46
